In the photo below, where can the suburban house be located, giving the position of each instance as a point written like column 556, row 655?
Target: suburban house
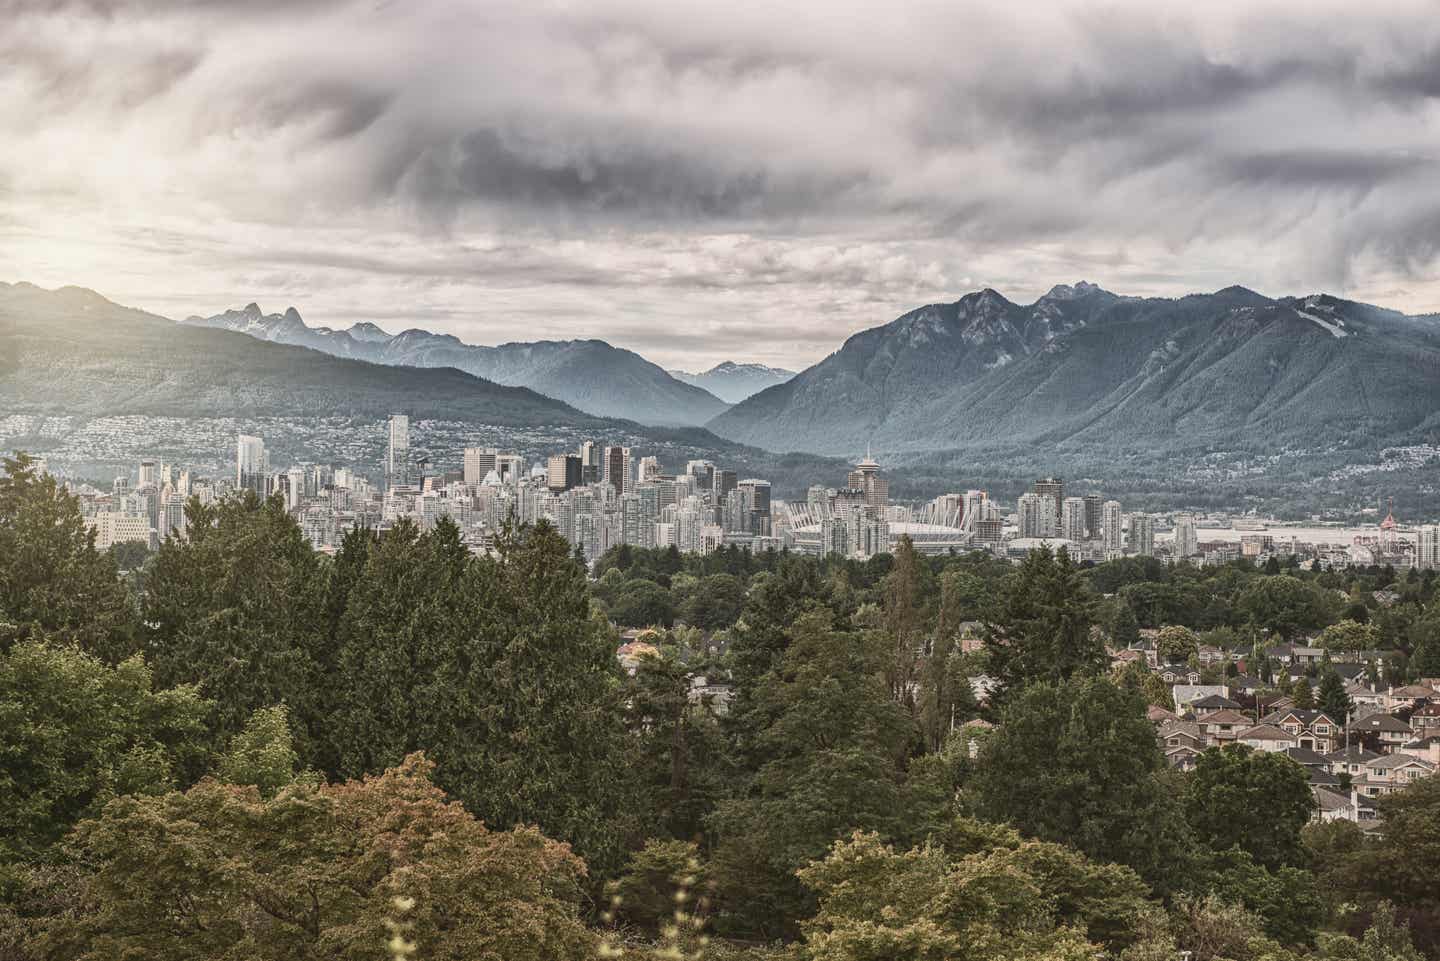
column 1426, row 748
column 1179, row 674
column 1222, row 727
column 1182, row 758
column 1157, row 715
column 1187, row 694
column 1212, row 703
column 1314, row 730
column 1391, row 772
column 1266, row 737
column 1425, row 719
column 1411, row 695
column 1391, row 731
column 1351, row 760
column 1245, row 684
column 1296, row 655
column 1332, row 805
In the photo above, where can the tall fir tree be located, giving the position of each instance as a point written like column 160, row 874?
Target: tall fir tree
column 238, row 607
column 52, row 579
column 1332, row 698
column 1040, row 627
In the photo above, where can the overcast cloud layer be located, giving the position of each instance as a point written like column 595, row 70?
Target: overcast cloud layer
column 709, row 181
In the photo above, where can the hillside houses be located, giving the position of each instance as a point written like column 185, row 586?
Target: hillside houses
column 1389, row 738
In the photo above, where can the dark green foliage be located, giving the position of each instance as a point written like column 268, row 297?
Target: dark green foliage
column 833, row 738
column 498, row 670
column 1286, row 606
column 398, row 644
column 678, row 750
column 52, row 580
column 75, row 733
column 1285, row 899
column 1124, row 629
column 946, row 698
column 642, row 604
column 1040, row 626
column 651, row 878
column 1255, row 800
column 238, row 608
column 1303, row 694
column 1077, row 763
column 1332, row 699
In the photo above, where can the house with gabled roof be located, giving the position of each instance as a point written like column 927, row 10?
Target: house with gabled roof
column 1311, row 729
column 1212, row 703
column 1391, row 772
column 1351, row 760
column 1245, row 684
column 1426, row 748
column 1178, row 674
column 1182, row 758
column 1173, row 734
column 1410, row 695
column 1266, row 737
column 1187, row 694
column 1222, row 727
column 1425, row 719
column 1390, row 731
column 1332, row 805
column 1157, row 715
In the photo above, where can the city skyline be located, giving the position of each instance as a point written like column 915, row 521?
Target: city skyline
column 602, row 496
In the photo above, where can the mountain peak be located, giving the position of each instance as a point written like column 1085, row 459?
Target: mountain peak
column 253, row 309
column 367, row 332
column 1074, row 291
column 1243, row 295
column 293, row 315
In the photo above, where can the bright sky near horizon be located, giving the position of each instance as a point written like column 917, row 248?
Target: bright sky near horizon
column 701, row 182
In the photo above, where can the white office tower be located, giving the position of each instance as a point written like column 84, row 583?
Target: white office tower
column 688, row 523
column 479, row 461
column 1036, row 515
column 973, row 509
column 1186, row 543
column 397, row 452
column 511, row 468
column 1111, row 525
column 1428, row 558
column 172, row 515
column 149, row 475
column 648, row 470
column 294, row 488
column 252, row 465
column 1142, row 535
column 1072, row 519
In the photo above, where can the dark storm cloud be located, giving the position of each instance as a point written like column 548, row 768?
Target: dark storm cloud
column 643, row 163
column 1362, row 169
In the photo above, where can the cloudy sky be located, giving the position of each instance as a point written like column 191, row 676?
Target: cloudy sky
column 710, row 181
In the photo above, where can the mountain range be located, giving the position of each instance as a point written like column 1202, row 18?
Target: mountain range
column 95, row 386
column 590, row 375
column 733, row 382
column 1083, row 369
column 71, row 352
column 1207, row 398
